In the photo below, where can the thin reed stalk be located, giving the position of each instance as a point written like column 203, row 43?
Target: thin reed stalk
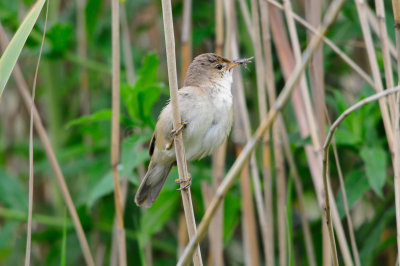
column 126, row 46
column 219, row 27
column 241, row 133
column 218, row 158
column 262, row 108
column 178, row 140
column 31, row 177
column 316, row 75
column 346, row 207
column 294, row 39
column 24, row 92
column 114, row 242
column 186, row 55
column 249, row 229
column 82, row 53
column 330, row 16
column 115, row 129
column 396, row 14
column 186, row 37
column 271, row 90
column 387, row 64
column 313, row 15
column 389, row 124
column 310, row 114
column 373, row 22
column 326, row 146
column 300, row 195
column 361, row 7
column 345, row 202
column 130, row 77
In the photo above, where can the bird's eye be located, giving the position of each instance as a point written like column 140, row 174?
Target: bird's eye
column 219, row 67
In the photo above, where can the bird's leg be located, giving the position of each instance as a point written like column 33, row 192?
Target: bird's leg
column 186, row 183
column 175, row 132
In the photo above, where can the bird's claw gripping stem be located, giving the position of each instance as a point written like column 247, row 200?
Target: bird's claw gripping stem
column 175, row 132
column 186, row 183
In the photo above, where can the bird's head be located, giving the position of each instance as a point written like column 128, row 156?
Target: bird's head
column 211, row 68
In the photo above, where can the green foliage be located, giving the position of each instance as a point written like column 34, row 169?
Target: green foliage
column 11, row 193
column 95, row 117
column 232, row 209
column 153, row 219
column 130, row 159
column 372, row 241
column 355, row 185
column 60, row 37
column 92, row 12
column 140, row 98
column 375, row 163
column 63, row 257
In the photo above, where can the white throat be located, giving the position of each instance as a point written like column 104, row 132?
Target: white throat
column 224, row 84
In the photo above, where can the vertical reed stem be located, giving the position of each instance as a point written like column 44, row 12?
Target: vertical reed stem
column 270, row 84
column 218, row 158
column 115, row 130
column 179, row 147
column 31, row 177
column 82, row 53
column 396, row 14
column 300, row 195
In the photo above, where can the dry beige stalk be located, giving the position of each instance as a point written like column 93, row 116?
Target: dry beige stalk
column 218, row 158
column 31, row 178
column 82, row 53
column 178, row 141
column 262, row 108
column 396, row 14
column 241, row 133
column 300, row 195
column 115, row 130
column 271, row 90
column 126, row 46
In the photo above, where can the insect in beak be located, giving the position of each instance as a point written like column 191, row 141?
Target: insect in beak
column 238, row 62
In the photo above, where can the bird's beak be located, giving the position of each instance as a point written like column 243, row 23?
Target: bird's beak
column 238, row 62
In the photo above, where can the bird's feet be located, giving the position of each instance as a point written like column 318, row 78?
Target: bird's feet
column 185, row 184
column 175, row 132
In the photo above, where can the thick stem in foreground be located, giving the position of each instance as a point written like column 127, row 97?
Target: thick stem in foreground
column 179, row 147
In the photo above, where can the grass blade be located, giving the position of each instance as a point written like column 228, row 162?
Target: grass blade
column 11, row 54
column 63, row 257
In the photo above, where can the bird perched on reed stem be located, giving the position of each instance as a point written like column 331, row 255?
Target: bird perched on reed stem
column 205, row 105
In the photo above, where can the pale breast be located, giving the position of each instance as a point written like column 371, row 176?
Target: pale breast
column 218, row 124
column 209, row 118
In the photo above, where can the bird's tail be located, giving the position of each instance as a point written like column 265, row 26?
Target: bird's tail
column 152, row 183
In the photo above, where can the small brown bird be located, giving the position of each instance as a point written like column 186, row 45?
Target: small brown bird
column 205, row 104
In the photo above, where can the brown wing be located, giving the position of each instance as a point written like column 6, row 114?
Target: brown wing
column 152, row 144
